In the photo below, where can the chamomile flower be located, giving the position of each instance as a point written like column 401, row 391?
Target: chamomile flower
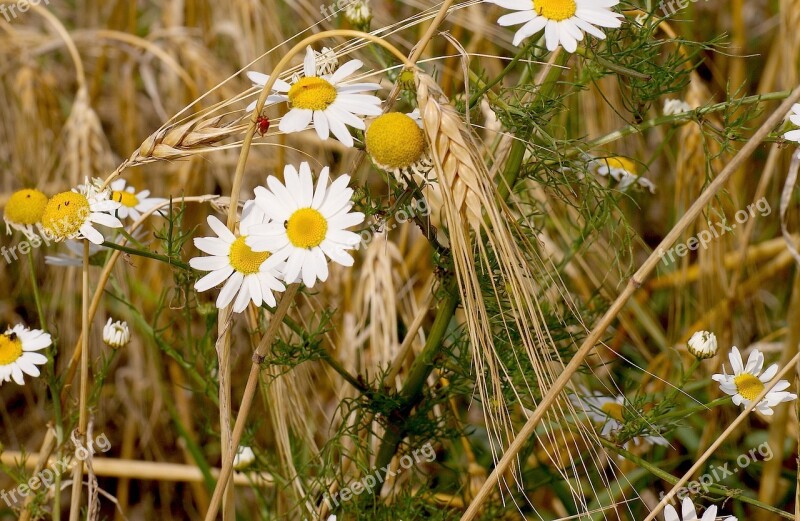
column 116, row 334
column 18, row 355
column 703, row 344
column 688, row 513
column 747, row 382
column 24, row 210
column 306, row 225
column 609, row 411
column 132, row 204
column 623, row 171
column 358, row 13
column 249, row 276
column 244, row 458
column 72, row 215
column 794, row 117
column 563, row 21
column 396, row 144
column 675, row 106
column 324, row 99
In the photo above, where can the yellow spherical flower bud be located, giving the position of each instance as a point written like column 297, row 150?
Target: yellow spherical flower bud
column 396, row 144
column 24, row 210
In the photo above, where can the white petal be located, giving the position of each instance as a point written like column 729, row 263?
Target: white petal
column 295, row 120
column 309, row 63
column 215, row 278
column 211, row 263
column 345, row 71
column 229, row 290
column 221, row 230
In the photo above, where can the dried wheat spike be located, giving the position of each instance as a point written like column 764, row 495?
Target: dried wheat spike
column 181, row 140
column 454, row 151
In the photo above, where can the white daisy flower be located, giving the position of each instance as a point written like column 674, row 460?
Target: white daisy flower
column 623, row 171
column 23, row 211
column 676, row 106
column 306, row 224
column 563, row 21
column 132, row 204
column 747, row 382
column 610, row 412
column 244, row 458
column 72, row 215
column 248, row 275
column 116, row 334
column 688, row 513
column 794, row 117
column 703, row 345
column 326, row 100
column 17, row 353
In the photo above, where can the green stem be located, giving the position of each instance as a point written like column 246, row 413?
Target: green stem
column 672, row 480
column 697, row 408
column 148, row 254
column 36, row 295
column 477, row 96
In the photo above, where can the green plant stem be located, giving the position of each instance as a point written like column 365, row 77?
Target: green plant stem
column 697, row 408
column 148, row 254
column 423, row 365
column 672, row 480
column 36, row 295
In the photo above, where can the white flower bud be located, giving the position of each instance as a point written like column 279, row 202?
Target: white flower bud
column 674, row 106
column 358, row 13
column 244, row 458
column 116, row 334
column 703, row 345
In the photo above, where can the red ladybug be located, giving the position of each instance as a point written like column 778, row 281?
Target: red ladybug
column 262, row 125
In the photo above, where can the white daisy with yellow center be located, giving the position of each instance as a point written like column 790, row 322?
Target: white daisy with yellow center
column 72, row 215
column 688, row 513
column 132, row 204
column 747, row 382
column 623, row 171
column 396, row 144
column 23, row 211
column 18, row 355
column 563, row 21
column 610, row 411
column 325, row 100
column 307, row 225
column 249, row 276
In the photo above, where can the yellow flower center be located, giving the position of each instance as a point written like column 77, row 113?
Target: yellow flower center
column 125, row 198
column 245, row 260
column 621, row 162
column 395, row 140
column 748, row 386
column 555, row 9
column 10, row 349
column 64, row 214
column 25, row 206
column 306, row 228
column 613, row 410
column 312, row 93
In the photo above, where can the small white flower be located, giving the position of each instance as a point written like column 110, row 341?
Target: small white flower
column 132, row 204
column 72, row 215
column 326, row 100
column 244, row 458
column 358, row 12
column 306, row 224
column 703, row 344
column 688, row 513
column 794, row 117
column 116, row 334
column 610, row 412
column 17, row 353
column 563, row 21
column 747, row 382
column 250, row 276
column 623, row 171
column 675, row 106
